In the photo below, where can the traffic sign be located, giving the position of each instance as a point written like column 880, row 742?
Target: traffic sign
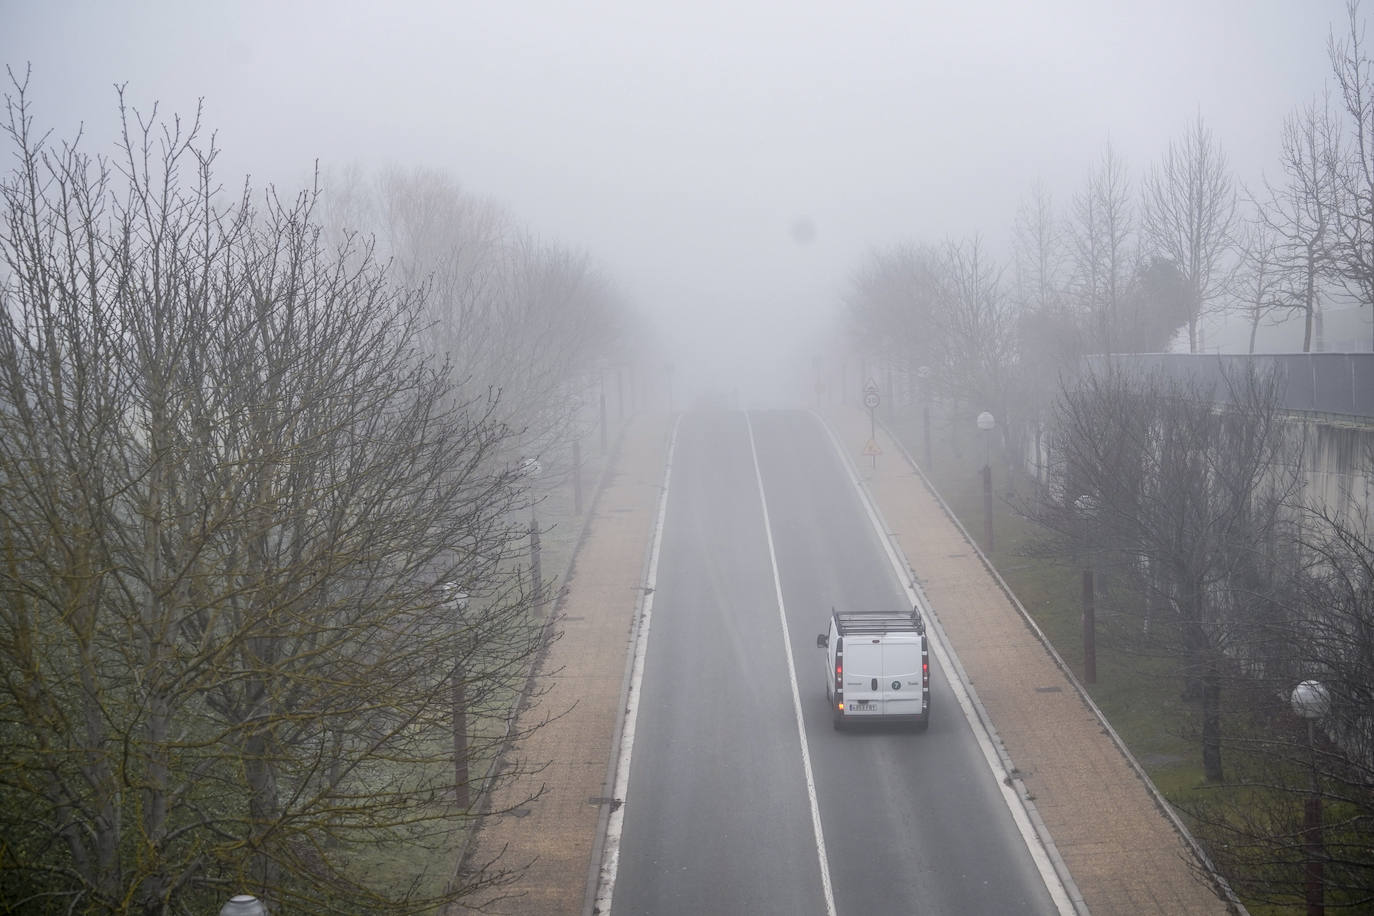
column 871, row 398
column 871, row 449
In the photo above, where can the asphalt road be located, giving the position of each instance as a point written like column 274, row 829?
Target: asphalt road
column 718, row 817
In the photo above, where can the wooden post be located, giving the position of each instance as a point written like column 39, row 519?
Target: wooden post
column 1089, row 629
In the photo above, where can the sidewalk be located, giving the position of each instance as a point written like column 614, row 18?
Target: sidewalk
column 583, row 672
column 1123, row 853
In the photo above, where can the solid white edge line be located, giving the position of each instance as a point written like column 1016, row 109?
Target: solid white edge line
column 955, row 676
column 792, row 677
column 615, row 824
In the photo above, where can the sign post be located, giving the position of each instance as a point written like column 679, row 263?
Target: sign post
column 871, row 401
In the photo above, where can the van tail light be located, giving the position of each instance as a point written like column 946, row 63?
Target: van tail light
column 839, row 674
column 925, row 672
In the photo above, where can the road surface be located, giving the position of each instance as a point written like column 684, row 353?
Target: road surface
column 763, row 534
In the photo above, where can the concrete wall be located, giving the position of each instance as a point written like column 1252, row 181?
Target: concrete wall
column 1337, row 465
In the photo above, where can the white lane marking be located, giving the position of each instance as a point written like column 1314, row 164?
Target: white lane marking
column 615, row 824
column 944, row 654
column 792, row 677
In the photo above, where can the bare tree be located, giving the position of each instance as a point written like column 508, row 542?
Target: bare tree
column 891, row 304
column 1302, row 795
column 1260, row 281
column 1038, row 247
column 236, row 501
column 1353, row 251
column 1102, row 227
column 528, row 318
column 1189, row 210
column 1047, row 332
column 976, row 330
column 1302, row 212
column 1189, row 491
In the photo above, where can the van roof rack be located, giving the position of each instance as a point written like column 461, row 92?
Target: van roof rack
column 855, row 622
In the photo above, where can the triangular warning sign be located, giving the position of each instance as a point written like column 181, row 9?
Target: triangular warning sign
column 872, row 448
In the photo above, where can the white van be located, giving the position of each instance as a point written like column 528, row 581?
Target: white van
column 877, row 668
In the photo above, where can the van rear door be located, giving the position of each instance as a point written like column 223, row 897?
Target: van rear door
column 863, row 669
column 901, row 680
column 882, row 676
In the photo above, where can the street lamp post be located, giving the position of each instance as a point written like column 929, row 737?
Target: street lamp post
column 923, row 374
column 459, row 599
column 620, row 392
column 1087, row 506
column 577, row 475
column 1311, row 702
column 986, row 423
column 601, row 368
column 532, row 469
column 601, row 379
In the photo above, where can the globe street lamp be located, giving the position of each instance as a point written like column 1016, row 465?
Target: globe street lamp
column 1311, row 702
column 243, row 905
column 986, row 423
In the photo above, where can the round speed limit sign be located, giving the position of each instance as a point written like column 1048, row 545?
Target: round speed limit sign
column 870, row 399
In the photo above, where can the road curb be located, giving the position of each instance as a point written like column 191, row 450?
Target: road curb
column 595, row 865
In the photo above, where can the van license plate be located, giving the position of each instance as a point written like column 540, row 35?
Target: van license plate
column 860, row 705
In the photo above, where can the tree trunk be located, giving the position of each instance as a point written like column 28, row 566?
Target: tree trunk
column 263, row 805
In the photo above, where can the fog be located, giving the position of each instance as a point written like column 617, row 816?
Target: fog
column 728, row 163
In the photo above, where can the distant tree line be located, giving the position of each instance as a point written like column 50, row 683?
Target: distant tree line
column 1126, row 266
column 1192, row 504
column 262, row 525
column 534, row 320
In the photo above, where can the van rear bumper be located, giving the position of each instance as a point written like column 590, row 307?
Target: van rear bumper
column 878, row 718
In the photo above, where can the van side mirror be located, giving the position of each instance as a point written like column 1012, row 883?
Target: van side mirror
column 823, row 641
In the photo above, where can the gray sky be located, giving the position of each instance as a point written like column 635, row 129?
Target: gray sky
column 679, row 143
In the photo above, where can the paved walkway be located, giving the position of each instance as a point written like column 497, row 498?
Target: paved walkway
column 583, row 672
column 1123, row 853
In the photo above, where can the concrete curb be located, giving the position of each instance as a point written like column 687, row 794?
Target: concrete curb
column 613, row 764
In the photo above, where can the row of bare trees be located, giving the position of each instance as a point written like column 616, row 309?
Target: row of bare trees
column 534, row 320
column 1190, row 502
column 1189, row 506
column 259, row 525
column 1219, row 565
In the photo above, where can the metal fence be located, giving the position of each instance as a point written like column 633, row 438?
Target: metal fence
column 1326, row 383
